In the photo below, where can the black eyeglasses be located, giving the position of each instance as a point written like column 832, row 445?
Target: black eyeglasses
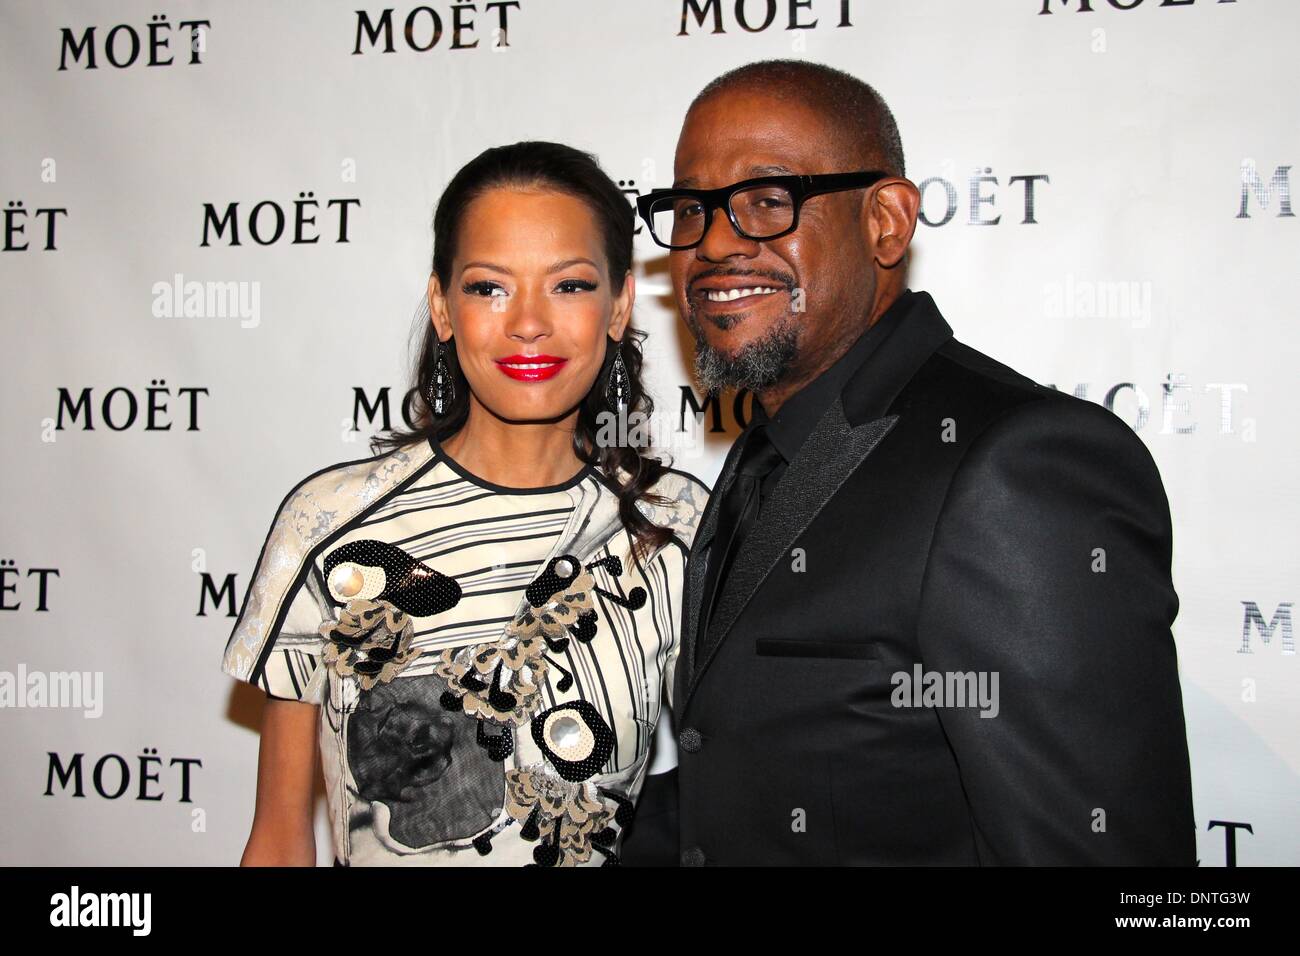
column 763, row 208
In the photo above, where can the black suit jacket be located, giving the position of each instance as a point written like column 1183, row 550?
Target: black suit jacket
column 946, row 515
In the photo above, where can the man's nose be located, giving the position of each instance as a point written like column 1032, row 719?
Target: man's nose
column 721, row 241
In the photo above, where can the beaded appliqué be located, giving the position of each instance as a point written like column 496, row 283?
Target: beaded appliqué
column 377, row 570
column 498, row 681
column 371, row 640
column 556, row 801
column 501, row 681
column 570, row 817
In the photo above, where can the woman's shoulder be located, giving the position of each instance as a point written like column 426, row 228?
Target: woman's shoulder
column 328, row 495
column 678, row 502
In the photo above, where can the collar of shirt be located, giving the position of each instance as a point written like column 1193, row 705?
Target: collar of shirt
column 795, row 420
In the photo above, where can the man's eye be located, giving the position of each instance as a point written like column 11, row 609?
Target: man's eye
column 688, row 210
column 483, row 288
column 576, row 285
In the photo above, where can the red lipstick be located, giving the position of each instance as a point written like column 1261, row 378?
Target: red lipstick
column 531, row 368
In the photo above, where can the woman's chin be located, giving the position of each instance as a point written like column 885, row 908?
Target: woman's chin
column 538, row 409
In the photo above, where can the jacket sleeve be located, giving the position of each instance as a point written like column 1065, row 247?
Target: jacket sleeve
column 1049, row 571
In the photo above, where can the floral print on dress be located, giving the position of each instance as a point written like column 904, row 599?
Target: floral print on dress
column 371, row 640
column 502, row 680
column 499, row 681
column 569, row 607
column 568, row 819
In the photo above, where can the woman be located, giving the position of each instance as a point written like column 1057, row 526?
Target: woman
column 479, row 625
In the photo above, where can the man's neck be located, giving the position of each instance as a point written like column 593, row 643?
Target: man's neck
column 773, row 398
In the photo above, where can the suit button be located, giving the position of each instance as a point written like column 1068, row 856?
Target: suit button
column 690, row 740
column 692, row 856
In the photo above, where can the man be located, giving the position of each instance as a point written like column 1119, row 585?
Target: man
column 927, row 613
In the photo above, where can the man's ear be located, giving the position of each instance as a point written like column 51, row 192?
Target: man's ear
column 891, row 220
column 623, row 303
column 438, row 310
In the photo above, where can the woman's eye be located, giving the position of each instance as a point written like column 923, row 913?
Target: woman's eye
column 576, row 285
column 483, row 288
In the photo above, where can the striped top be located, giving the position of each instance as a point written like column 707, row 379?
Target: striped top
column 490, row 661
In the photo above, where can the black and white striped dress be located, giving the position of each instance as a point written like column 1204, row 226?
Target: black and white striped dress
column 490, row 662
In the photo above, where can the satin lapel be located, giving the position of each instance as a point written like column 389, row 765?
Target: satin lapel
column 696, row 565
column 831, row 453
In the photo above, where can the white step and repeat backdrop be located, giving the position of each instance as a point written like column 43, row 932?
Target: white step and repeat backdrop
column 1107, row 208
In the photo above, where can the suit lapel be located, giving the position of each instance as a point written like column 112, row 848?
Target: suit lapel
column 832, row 452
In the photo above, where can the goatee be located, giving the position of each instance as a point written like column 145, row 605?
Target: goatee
column 757, row 366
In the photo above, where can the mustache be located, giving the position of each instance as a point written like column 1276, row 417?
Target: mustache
column 693, row 297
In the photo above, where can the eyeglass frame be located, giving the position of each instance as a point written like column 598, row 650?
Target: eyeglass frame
column 800, row 186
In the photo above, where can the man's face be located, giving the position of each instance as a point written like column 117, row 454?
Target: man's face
column 802, row 291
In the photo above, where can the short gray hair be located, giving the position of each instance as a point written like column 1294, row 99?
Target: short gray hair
column 847, row 103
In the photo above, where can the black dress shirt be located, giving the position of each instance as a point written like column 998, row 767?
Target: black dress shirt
column 795, row 420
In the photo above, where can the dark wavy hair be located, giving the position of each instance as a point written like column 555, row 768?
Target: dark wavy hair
column 573, row 172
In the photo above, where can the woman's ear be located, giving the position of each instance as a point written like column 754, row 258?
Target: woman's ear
column 438, row 310
column 622, row 313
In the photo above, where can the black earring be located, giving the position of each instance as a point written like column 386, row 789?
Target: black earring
column 442, row 387
column 617, row 386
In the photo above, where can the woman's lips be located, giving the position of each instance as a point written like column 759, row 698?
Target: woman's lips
column 531, row 368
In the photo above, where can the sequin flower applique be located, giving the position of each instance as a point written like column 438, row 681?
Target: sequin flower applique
column 568, row 819
column 569, row 607
column 499, row 681
column 557, row 801
column 371, row 640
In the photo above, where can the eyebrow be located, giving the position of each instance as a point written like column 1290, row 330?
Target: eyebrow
column 753, row 171
column 555, row 266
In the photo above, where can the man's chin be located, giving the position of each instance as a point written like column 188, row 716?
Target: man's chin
column 719, row 322
column 729, row 334
column 755, row 364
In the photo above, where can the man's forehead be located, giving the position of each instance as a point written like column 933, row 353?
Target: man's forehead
column 743, row 134
column 748, row 172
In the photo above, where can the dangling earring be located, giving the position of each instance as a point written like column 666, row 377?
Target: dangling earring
column 442, row 388
column 617, row 386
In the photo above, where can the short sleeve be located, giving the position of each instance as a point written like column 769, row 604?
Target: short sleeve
column 292, row 670
column 276, row 642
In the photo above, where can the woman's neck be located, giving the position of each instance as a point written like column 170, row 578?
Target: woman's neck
column 515, row 454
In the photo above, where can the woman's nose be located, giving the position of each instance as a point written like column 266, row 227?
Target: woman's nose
column 526, row 317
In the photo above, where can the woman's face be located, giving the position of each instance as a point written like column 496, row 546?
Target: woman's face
column 530, row 303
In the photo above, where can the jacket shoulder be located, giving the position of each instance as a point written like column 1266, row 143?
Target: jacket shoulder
column 956, row 373
column 991, row 402
column 973, row 385
column 1006, row 413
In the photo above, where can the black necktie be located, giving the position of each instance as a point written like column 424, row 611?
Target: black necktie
column 736, row 515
